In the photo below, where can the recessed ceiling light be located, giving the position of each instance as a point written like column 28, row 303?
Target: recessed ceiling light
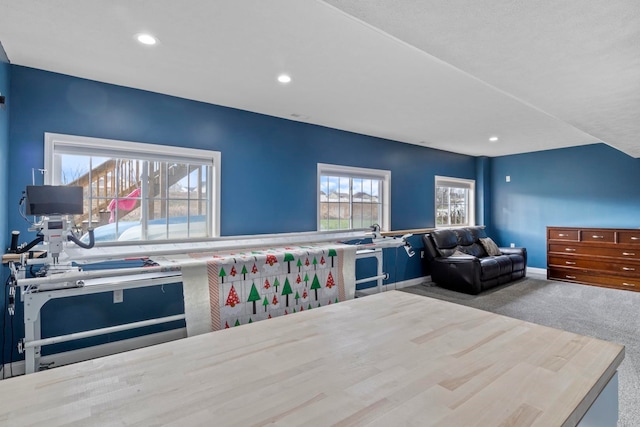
column 284, row 78
column 147, row 39
column 493, row 139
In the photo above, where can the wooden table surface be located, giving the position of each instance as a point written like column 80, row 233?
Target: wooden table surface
column 388, row 359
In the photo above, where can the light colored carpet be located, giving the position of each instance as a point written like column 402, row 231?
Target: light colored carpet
column 608, row 314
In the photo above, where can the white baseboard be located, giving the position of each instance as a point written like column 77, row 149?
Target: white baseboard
column 74, row 356
column 537, row 271
column 392, row 286
column 531, row 271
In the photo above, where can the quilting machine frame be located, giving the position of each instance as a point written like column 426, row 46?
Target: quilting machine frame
column 36, row 292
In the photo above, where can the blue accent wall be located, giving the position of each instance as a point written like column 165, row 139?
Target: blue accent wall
column 587, row 186
column 483, row 192
column 5, row 72
column 268, row 172
column 268, row 164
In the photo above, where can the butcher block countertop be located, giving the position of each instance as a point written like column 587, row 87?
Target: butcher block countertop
column 388, row 359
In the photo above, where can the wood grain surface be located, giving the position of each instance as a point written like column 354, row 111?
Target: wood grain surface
column 388, row 359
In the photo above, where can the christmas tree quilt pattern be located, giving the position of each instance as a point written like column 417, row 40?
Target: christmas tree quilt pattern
column 249, row 286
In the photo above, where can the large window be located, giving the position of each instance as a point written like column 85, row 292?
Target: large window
column 135, row 191
column 454, row 202
column 352, row 198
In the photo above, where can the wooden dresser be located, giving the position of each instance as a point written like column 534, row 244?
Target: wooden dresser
column 608, row 257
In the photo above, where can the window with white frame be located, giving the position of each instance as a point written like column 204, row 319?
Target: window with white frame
column 454, row 202
column 352, row 198
column 135, row 191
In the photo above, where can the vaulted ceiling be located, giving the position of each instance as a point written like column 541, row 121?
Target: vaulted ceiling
column 445, row 74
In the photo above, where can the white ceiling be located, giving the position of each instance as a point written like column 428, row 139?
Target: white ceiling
column 447, row 74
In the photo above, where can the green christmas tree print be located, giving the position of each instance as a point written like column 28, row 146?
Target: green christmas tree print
column 288, row 258
column 244, row 272
column 332, row 253
column 315, row 285
column 286, row 290
column 299, row 264
column 222, row 273
column 254, row 296
column 265, row 303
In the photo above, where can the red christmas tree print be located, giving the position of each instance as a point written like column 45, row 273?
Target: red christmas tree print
column 304, row 294
column 330, row 282
column 307, row 263
column 267, row 285
column 233, row 271
column 232, row 299
column 298, row 280
column 226, row 325
column 322, row 261
column 271, row 259
column 274, row 301
column 254, row 269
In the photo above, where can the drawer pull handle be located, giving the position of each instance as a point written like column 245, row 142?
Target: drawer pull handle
column 562, row 235
column 628, row 254
column 570, row 249
column 635, row 238
column 628, row 269
column 570, row 277
column 595, row 236
column 628, row 284
column 570, row 263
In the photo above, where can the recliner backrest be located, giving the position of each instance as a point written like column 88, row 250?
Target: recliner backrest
column 431, row 250
column 446, row 241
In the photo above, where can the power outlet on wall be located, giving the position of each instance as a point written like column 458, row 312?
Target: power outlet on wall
column 118, row 296
column 513, row 245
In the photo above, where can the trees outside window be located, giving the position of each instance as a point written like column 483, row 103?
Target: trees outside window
column 353, row 198
column 454, row 202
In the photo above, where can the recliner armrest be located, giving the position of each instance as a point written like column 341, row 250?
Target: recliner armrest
column 460, row 272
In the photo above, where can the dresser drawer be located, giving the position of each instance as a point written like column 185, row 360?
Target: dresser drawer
column 613, row 252
column 612, row 266
column 563, row 234
column 632, row 284
column 599, row 236
column 629, row 237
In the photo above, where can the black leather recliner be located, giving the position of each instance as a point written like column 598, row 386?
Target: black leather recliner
column 459, row 261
